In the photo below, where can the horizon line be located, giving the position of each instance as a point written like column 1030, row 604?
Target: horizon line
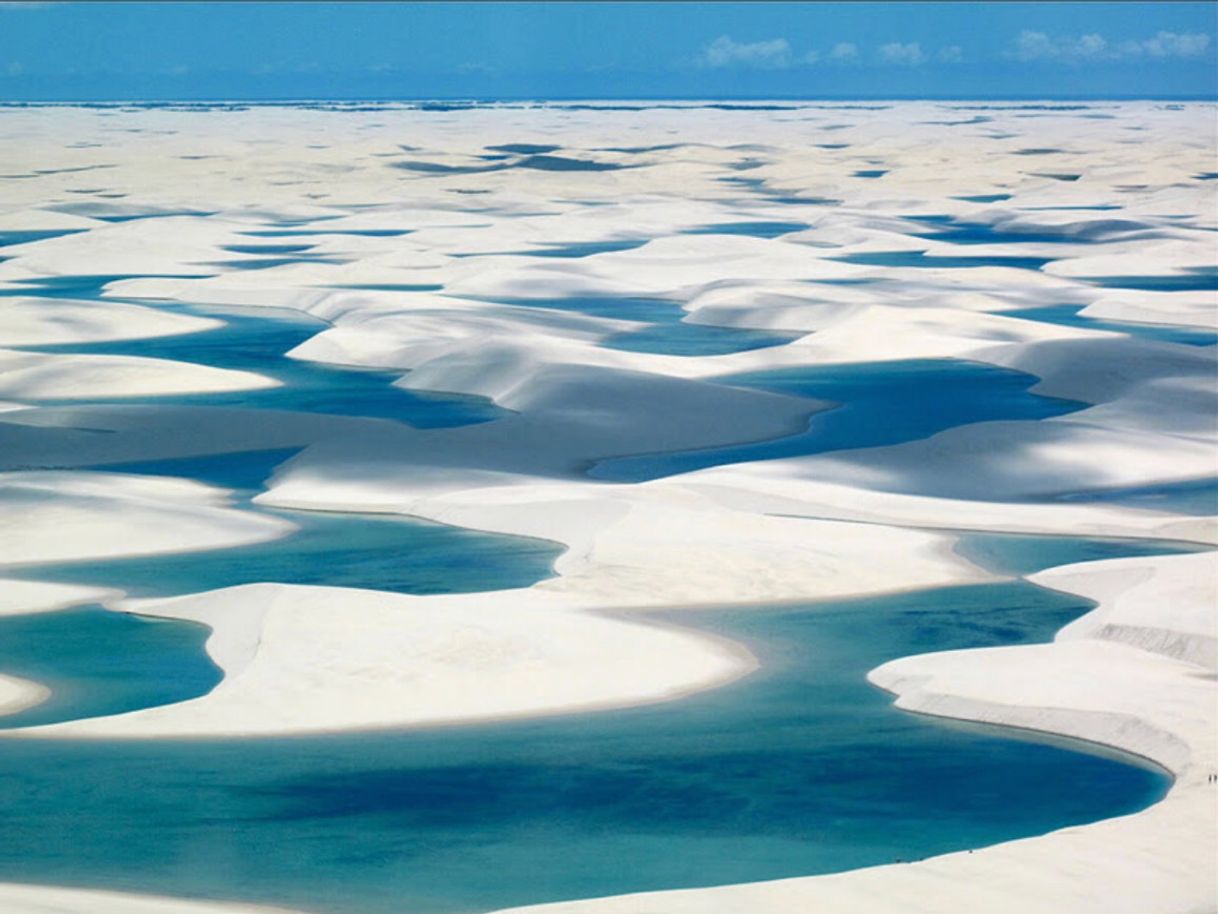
column 470, row 99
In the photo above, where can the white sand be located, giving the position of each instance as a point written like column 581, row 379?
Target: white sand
column 37, row 899
column 1133, row 674
column 36, row 376
column 34, row 322
column 55, row 516
column 18, row 694
column 19, row 598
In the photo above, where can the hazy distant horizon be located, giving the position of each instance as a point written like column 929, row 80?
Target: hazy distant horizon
column 568, row 100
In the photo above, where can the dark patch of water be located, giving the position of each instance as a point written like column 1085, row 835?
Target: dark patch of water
column 754, row 229
column 266, row 263
column 523, row 148
column 267, row 248
column 291, row 233
column 564, row 163
column 530, row 162
column 587, row 249
column 1197, row 497
column 1056, row 176
column 688, row 339
column 1195, row 281
column 947, row 228
column 161, row 214
column 882, row 403
column 922, row 259
column 25, row 237
column 82, row 287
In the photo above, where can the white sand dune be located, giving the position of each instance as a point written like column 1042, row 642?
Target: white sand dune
column 1135, row 674
column 55, row 516
column 782, row 487
column 39, row 376
column 34, row 322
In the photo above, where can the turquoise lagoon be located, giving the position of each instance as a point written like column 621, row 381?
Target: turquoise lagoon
column 100, row 662
column 799, row 768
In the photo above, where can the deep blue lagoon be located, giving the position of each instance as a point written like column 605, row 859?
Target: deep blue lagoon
column 880, row 403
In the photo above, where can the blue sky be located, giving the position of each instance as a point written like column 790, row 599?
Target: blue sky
column 122, row 51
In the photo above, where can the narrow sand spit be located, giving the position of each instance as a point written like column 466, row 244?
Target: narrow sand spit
column 518, row 283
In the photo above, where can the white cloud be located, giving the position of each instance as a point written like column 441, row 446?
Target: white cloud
column 1169, row 44
column 778, row 54
column 1032, row 46
column 844, row 52
column 908, row 55
column 1091, row 47
column 774, row 54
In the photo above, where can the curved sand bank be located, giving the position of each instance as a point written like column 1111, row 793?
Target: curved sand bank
column 707, row 537
column 37, row 899
column 1087, row 686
